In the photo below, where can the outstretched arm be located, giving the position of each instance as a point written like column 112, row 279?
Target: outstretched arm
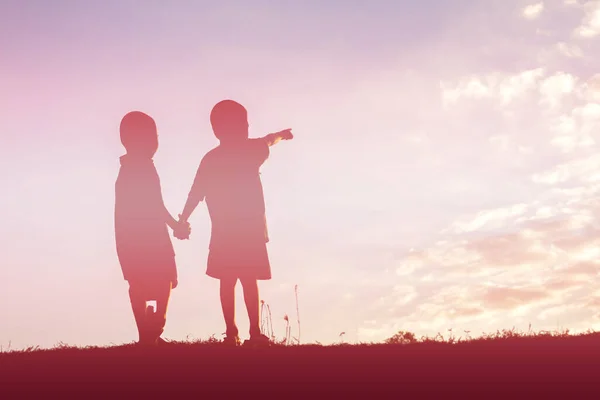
column 274, row 138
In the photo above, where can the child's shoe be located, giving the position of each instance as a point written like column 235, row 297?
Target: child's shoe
column 232, row 341
column 259, row 340
column 148, row 337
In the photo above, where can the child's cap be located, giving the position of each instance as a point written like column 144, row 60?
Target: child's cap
column 136, row 127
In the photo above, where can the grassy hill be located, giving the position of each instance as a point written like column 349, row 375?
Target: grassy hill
column 505, row 365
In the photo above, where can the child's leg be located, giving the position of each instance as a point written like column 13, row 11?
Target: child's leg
column 163, row 295
column 227, row 291
column 251, row 299
column 138, row 306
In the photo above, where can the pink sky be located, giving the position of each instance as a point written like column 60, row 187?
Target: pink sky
column 444, row 173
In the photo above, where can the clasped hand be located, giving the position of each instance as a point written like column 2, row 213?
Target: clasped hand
column 183, row 229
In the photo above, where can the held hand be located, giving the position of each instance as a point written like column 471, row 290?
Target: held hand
column 183, row 230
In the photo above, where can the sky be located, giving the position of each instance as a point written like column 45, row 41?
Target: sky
column 444, row 172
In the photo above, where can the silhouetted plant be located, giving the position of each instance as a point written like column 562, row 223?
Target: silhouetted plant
column 266, row 324
column 212, row 339
column 297, row 313
column 402, row 337
column 288, row 329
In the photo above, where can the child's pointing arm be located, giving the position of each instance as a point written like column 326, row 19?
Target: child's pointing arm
column 274, row 138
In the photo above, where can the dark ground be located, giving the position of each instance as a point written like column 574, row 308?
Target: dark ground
column 537, row 367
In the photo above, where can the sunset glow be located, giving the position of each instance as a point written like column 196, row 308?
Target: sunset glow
column 443, row 173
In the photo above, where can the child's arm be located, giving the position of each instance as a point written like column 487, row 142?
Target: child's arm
column 196, row 194
column 168, row 218
column 181, row 230
column 190, row 205
column 165, row 214
column 172, row 222
column 274, row 138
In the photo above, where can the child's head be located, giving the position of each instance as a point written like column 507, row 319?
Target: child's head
column 138, row 134
column 229, row 121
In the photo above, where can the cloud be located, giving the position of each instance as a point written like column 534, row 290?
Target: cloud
column 471, row 88
column 510, row 297
column 591, row 89
column 501, row 87
column 590, row 26
column 556, row 87
column 529, row 252
column 578, row 128
column 533, row 11
column 505, row 88
column 560, row 103
column 569, row 50
column 490, row 219
column 584, row 270
column 511, row 250
column 583, row 170
column 521, row 261
column 517, row 85
column 404, row 294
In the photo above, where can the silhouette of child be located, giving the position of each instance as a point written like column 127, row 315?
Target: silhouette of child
column 228, row 179
column 144, row 247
